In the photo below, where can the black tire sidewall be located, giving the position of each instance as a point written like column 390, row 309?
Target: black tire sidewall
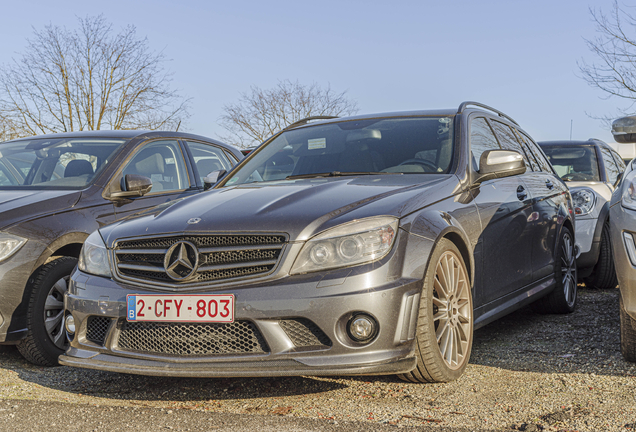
column 41, row 283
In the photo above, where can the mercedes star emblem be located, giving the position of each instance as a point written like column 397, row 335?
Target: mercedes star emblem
column 181, row 261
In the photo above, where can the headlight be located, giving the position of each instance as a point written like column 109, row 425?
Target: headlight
column 94, row 256
column 583, row 201
column 10, row 244
column 349, row 244
column 629, row 191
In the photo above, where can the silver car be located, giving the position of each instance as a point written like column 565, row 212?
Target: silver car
column 623, row 229
column 591, row 170
column 363, row 245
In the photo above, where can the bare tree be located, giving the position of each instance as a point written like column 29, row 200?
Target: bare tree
column 614, row 71
column 262, row 112
column 88, row 79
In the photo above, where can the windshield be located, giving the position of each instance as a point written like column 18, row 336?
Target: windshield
column 574, row 163
column 408, row 145
column 54, row 163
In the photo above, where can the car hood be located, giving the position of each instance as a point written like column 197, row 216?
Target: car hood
column 20, row 205
column 300, row 208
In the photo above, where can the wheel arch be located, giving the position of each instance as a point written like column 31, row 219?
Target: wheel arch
column 68, row 245
column 437, row 225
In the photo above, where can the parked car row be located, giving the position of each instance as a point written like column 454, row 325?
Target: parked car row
column 372, row 244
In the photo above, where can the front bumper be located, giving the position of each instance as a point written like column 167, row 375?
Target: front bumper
column 326, row 299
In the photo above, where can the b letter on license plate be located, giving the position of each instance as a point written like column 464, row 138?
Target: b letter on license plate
column 180, row 308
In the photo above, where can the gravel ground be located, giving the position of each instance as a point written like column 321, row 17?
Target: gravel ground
column 527, row 372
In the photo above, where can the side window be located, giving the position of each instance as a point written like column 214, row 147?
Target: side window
column 619, row 161
column 611, row 170
column 481, row 139
column 531, row 156
column 508, row 140
column 543, row 162
column 163, row 163
column 208, row 158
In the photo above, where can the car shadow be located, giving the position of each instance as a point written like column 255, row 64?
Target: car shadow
column 147, row 388
column 585, row 341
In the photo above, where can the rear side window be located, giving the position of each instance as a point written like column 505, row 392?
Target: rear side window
column 619, row 161
column 544, row 164
column 508, row 140
column 481, row 139
column 611, row 170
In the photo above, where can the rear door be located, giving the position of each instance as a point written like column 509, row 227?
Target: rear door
column 547, row 192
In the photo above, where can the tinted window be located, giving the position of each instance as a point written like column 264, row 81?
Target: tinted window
column 162, row 162
column 544, row 164
column 619, row 161
column 531, row 157
column 611, row 170
column 481, row 139
column 574, row 163
column 208, row 158
column 54, row 163
column 508, row 140
column 409, row 145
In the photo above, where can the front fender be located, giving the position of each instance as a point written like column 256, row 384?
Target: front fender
column 426, row 230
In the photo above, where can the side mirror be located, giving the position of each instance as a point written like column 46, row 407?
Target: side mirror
column 133, row 185
column 624, row 130
column 498, row 164
column 213, row 178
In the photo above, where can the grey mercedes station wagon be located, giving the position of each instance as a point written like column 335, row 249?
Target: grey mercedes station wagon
column 362, row 245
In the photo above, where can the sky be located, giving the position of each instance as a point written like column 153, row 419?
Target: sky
column 515, row 55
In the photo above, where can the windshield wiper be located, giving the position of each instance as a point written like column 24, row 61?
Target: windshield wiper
column 338, row 174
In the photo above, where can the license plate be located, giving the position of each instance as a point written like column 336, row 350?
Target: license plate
column 216, row 308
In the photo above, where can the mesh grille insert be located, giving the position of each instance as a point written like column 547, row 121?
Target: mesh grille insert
column 304, row 332
column 96, row 329
column 239, row 337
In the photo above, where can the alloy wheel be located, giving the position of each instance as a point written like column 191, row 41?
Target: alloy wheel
column 54, row 313
column 568, row 268
column 452, row 312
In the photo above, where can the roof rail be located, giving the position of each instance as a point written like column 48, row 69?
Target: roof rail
column 463, row 106
column 308, row 119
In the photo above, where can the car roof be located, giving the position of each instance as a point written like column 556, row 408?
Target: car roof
column 589, row 142
column 415, row 113
column 89, row 134
column 123, row 134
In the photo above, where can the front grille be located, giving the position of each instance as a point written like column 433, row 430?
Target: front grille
column 96, row 329
column 219, row 257
column 239, row 337
column 304, row 333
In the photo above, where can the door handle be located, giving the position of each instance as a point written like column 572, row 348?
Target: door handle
column 521, row 193
column 549, row 184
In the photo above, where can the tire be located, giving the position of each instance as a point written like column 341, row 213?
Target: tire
column 563, row 298
column 604, row 275
column 46, row 337
column 628, row 334
column 444, row 335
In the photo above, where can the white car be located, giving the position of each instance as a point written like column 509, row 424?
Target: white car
column 591, row 169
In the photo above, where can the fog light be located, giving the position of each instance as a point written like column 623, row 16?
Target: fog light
column 362, row 328
column 69, row 323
